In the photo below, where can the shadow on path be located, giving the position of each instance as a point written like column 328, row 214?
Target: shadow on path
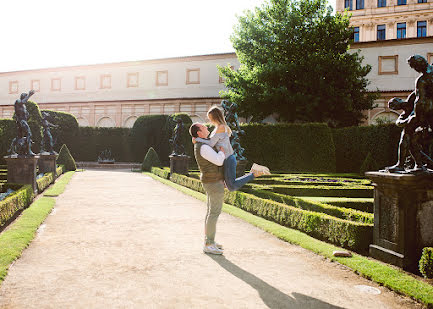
column 272, row 297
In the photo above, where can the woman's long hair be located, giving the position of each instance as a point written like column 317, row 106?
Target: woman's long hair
column 217, row 116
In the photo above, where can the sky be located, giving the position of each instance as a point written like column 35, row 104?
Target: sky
column 46, row 33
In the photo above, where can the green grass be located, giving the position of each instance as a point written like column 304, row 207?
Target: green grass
column 60, row 185
column 14, row 240
column 22, row 231
column 382, row 273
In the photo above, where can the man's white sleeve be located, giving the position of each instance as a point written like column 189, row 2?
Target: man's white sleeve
column 209, row 154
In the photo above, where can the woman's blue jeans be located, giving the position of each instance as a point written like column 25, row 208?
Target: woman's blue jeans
column 233, row 183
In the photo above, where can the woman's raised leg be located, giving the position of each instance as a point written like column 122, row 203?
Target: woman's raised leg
column 233, row 183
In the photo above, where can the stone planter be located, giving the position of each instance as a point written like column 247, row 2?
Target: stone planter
column 179, row 164
column 22, row 170
column 403, row 216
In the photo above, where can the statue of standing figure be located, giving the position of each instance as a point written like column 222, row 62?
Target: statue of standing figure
column 232, row 120
column 47, row 139
column 416, row 121
column 21, row 144
column 178, row 147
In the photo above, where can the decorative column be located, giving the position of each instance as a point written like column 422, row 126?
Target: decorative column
column 22, row 170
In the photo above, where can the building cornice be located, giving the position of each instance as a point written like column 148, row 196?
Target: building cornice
column 392, row 42
column 127, row 63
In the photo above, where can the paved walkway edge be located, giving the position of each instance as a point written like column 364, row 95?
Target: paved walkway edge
column 381, row 273
column 20, row 233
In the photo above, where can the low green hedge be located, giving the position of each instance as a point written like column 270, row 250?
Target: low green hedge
column 352, row 235
column 334, row 211
column 17, row 201
column 161, row 172
column 308, row 190
column 362, row 204
column 60, row 170
column 44, row 182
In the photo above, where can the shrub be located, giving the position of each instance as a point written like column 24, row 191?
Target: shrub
column 66, row 130
column 368, row 164
column 91, row 141
column 290, row 147
column 353, row 144
column 60, row 170
column 353, row 235
column 150, row 160
column 161, row 172
column 17, row 201
column 44, row 182
column 65, row 158
column 426, row 263
column 9, row 132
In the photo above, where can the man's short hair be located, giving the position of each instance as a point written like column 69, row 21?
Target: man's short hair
column 195, row 127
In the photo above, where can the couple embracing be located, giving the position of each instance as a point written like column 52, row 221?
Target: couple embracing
column 217, row 163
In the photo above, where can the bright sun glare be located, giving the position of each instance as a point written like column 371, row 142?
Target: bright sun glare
column 39, row 34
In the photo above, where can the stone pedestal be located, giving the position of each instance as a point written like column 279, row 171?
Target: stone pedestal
column 240, row 168
column 403, row 218
column 179, row 164
column 47, row 164
column 22, row 170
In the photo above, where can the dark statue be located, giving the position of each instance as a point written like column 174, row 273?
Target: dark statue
column 232, row 120
column 178, row 147
column 416, row 121
column 21, row 144
column 106, row 157
column 47, row 139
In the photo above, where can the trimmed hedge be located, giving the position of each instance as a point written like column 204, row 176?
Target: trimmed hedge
column 309, row 190
column 353, row 203
column 161, row 172
column 44, row 182
column 342, row 213
column 352, row 235
column 60, row 170
column 65, row 158
column 17, row 201
column 290, row 147
column 426, row 263
column 67, row 128
column 353, row 145
column 150, row 160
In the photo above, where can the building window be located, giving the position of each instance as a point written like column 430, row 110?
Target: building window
column 35, row 85
column 162, row 78
column 401, row 2
column 422, row 1
column 13, row 87
column 56, row 84
column 422, row 29
column 348, row 4
column 132, row 80
column 105, row 81
column 356, row 34
column 430, row 57
column 359, row 4
column 193, row 76
column 381, row 32
column 388, row 65
column 381, row 3
column 401, row 30
column 80, row 83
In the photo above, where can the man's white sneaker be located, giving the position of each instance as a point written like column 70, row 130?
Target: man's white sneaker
column 212, row 249
column 219, row 246
column 263, row 170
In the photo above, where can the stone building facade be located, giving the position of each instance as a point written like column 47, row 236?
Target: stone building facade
column 116, row 94
column 388, row 32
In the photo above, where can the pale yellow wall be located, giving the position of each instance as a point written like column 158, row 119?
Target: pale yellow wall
column 110, row 96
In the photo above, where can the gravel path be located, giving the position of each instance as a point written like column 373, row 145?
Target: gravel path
column 118, row 239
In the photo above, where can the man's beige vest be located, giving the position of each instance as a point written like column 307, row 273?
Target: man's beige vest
column 209, row 171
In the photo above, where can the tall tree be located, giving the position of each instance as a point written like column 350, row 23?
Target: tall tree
column 295, row 61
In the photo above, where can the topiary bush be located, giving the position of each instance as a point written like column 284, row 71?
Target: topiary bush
column 426, row 262
column 66, row 130
column 150, row 160
column 65, row 158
